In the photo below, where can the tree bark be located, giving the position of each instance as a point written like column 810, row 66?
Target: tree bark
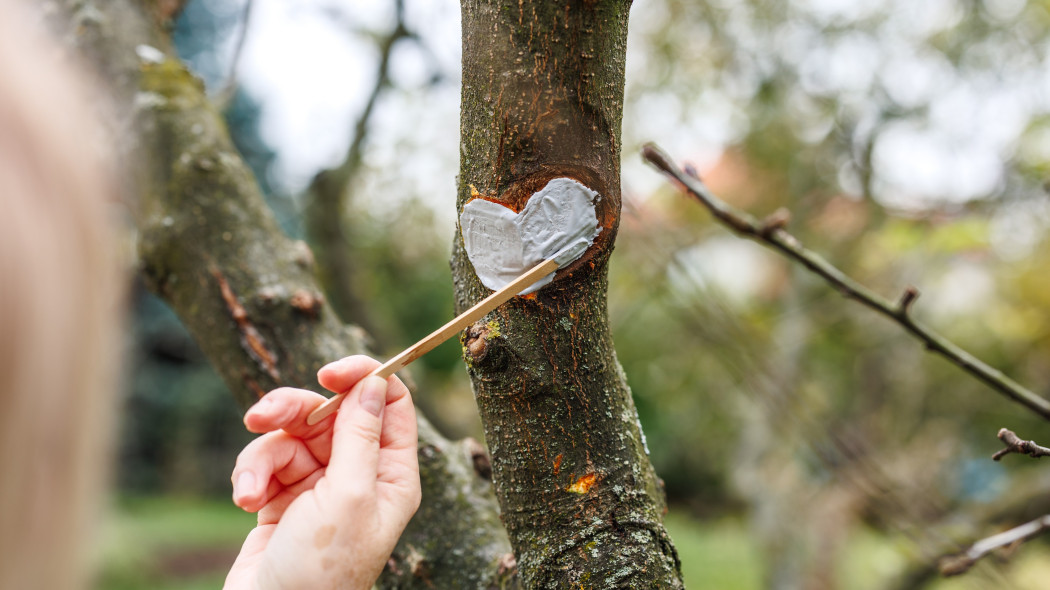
column 543, row 98
column 212, row 249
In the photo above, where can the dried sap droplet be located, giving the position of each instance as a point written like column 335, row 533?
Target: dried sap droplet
column 583, row 485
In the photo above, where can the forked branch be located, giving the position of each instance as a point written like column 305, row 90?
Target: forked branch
column 960, row 563
column 954, row 565
column 770, row 233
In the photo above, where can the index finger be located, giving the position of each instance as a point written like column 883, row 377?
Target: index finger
column 286, row 409
column 341, row 375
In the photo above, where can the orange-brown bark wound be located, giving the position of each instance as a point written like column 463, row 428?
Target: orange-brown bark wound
column 606, row 209
column 492, row 198
column 306, row 302
column 583, row 485
column 254, row 387
column 251, row 340
column 557, row 464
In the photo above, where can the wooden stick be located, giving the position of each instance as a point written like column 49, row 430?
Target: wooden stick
column 445, row 332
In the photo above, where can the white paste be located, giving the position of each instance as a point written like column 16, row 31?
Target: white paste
column 149, row 54
column 558, row 221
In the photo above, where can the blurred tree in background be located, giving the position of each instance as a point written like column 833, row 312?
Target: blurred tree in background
column 911, row 143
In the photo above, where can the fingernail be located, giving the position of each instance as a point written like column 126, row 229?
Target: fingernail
column 373, row 395
column 263, row 404
column 326, row 367
column 258, row 409
column 245, row 484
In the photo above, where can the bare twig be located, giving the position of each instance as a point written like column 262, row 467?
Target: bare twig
column 225, row 96
column 907, row 299
column 325, row 214
column 772, row 235
column 1014, row 444
column 954, row 565
column 167, row 11
column 348, row 169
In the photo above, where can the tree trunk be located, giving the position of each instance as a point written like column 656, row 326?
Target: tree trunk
column 213, row 250
column 543, row 98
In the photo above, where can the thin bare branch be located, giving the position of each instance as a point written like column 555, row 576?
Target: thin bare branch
column 347, row 170
column 954, row 565
column 167, row 11
column 1014, row 444
column 326, row 211
column 229, row 89
column 772, row 235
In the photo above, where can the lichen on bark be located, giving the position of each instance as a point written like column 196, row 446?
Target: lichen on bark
column 542, row 98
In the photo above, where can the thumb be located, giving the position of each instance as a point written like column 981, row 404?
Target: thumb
column 355, row 442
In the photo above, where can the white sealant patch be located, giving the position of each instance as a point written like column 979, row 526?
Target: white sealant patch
column 149, row 54
column 558, row 221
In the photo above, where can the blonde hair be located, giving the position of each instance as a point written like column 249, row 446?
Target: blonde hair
column 59, row 310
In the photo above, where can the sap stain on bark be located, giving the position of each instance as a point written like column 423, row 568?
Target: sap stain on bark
column 251, row 339
column 583, row 485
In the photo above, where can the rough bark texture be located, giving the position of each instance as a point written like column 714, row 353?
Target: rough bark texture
column 213, row 250
column 543, row 98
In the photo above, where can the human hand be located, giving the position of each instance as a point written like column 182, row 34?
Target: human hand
column 332, row 498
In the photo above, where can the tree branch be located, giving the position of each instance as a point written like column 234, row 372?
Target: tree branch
column 325, row 214
column 212, row 249
column 1014, row 444
column 954, row 565
column 225, row 96
column 770, row 233
column 957, row 564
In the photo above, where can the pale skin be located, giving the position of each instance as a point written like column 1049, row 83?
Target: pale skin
column 333, row 498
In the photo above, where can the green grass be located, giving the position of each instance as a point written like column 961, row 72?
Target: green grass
column 142, row 533
column 170, row 543
column 167, row 543
column 715, row 554
column 720, row 554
